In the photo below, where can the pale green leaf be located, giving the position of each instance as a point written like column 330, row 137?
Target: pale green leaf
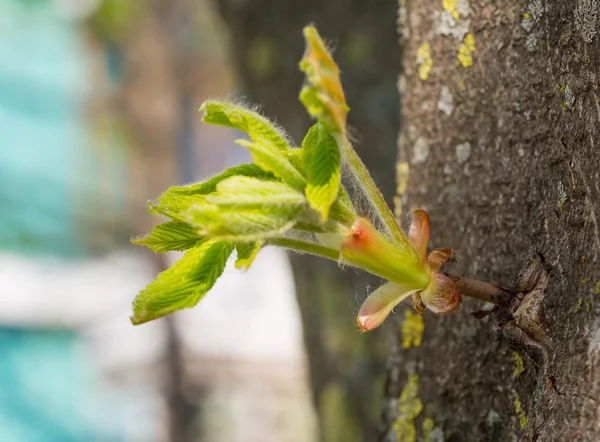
column 184, row 284
column 247, row 209
column 169, row 236
column 251, row 193
column 256, row 126
column 275, row 162
column 323, row 97
column 322, row 164
column 246, row 253
column 240, row 224
column 178, row 199
column 210, row 185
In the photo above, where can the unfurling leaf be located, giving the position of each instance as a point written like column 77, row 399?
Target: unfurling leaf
column 173, row 235
column 178, row 199
column 246, row 192
column 380, row 304
column 237, row 117
column 246, row 253
column 247, row 209
column 210, row 185
column 184, row 284
column 322, row 166
column 275, row 162
column 323, row 97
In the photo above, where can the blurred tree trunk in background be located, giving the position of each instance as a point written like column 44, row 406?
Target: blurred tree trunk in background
column 147, row 54
column 501, row 128
column 346, row 368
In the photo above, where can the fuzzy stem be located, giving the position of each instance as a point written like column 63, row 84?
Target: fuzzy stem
column 306, row 247
column 373, row 194
column 472, row 288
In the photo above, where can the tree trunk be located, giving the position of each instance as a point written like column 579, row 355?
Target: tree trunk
column 501, row 127
column 346, row 368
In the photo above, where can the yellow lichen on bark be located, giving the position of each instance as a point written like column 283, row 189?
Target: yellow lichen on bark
column 409, row 408
column 424, row 61
column 412, row 330
column 465, row 51
column 451, row 6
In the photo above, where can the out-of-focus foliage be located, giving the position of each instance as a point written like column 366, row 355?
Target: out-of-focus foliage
column 114, row 19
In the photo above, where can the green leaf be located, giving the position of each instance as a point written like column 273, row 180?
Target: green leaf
column 247, row 209
column 210, row 185
column 295, row 157
column 323, row 97
column 246, row 253
column 239, row 224
column 169, row 236
column 178, row 199
column 256, row 126
column 184, row 284
column 275, row 162
column 251, row 193
column 323, row 169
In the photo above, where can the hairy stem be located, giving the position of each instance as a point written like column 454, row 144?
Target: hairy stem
column 373, row 194
column 306, row 247
column 472, row 288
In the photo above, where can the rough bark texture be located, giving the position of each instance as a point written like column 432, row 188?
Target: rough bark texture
column 346, row 367
column 504, row 156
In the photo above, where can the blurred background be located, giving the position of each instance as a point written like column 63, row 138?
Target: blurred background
column 98, row 114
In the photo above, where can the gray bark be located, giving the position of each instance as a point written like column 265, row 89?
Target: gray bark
column 508, row 167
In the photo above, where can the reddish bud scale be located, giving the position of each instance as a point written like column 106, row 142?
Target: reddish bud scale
column 441, row 295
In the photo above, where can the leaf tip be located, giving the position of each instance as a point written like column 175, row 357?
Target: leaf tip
column 136, row 320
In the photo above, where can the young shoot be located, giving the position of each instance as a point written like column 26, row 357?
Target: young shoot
column 293, row 197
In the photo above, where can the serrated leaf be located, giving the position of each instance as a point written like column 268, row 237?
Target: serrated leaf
column 184, row 284
column 240, row 224
column 323, row 169
column 275, row 162
column 251, row 193
column 246, row 253
column 256, row 126
column 210, row 185
column 294, row 156
column 323, row 97
column 247, row 209
column 178, row 199
column 169, row 236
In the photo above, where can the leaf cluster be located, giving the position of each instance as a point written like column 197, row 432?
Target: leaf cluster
column 289, row 196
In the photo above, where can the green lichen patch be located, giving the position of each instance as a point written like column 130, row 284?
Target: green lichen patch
column 519, row 367
column 519, row 411
column 428, row 426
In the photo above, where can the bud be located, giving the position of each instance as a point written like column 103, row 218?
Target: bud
column 439, row 257
column 366, row 248
column 441, row 295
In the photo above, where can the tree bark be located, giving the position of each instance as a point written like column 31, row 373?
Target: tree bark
column 504, row 156
column 346, row 368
